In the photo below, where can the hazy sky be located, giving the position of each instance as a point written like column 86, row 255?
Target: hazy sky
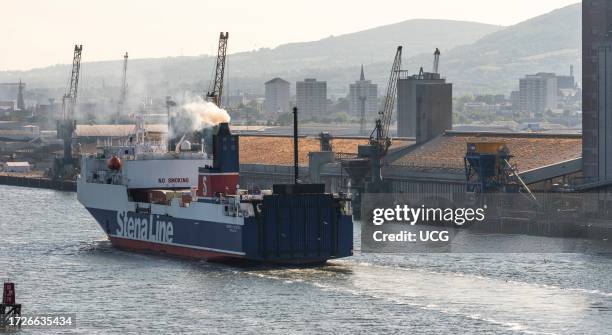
column 37, row 33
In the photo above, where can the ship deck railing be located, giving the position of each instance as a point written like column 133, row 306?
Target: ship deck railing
column 114, row 179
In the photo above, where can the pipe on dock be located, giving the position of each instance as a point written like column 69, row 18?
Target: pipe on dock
column 295, row 145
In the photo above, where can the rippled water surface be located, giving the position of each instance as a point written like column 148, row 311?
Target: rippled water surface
column 61, row 262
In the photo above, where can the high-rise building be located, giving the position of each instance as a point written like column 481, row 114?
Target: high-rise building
column 596, row 93
column 277, row 96
column 424, row 106
column 567, row 82
column 311, row 98
column 363, row 91
column 538, row 92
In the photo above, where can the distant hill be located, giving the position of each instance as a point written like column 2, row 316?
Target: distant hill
column 494, row 63
column 331, row 58
column 547, row 43
column 368, row 46
column 477, row 58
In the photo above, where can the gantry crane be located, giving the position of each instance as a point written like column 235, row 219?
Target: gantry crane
column 123, row 92
column 215, row 93
column 20, row 90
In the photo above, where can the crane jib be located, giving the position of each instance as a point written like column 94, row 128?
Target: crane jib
column 380, row 135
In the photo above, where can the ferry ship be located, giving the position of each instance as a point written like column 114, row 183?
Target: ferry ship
column 188, row 203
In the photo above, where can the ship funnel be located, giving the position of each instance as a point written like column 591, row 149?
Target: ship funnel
column 225, row 150
column 223, row 129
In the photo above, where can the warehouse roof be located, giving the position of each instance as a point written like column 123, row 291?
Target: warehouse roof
column 278, row 150
column 123, row 130
column 114, row 130
column 277, row 79
column 530, row 150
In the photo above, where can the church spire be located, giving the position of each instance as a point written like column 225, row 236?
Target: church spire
column 362, row 78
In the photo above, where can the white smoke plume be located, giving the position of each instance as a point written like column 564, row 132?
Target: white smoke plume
column 197, row 114
column 204, row 114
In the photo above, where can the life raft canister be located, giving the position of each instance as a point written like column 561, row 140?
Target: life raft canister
column 114, row 163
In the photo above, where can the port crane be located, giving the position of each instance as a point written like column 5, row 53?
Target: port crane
column 67, row 125
column 436, row 61
column 69, row 99
column 216, row 92
column 20, row 90
column 380, row 141
column 370, row 157
column 123, row 92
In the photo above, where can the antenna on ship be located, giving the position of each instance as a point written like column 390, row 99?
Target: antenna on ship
column 169, row 103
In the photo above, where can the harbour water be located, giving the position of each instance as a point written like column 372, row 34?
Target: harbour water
column 61, row 262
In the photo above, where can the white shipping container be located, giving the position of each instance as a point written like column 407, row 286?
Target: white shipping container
column 17, row 167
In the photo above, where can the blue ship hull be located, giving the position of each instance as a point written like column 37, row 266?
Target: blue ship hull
column 294, row 229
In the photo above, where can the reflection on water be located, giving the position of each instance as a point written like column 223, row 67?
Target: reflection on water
column 62, row 262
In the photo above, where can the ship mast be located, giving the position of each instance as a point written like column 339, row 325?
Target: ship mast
column 123, row 92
